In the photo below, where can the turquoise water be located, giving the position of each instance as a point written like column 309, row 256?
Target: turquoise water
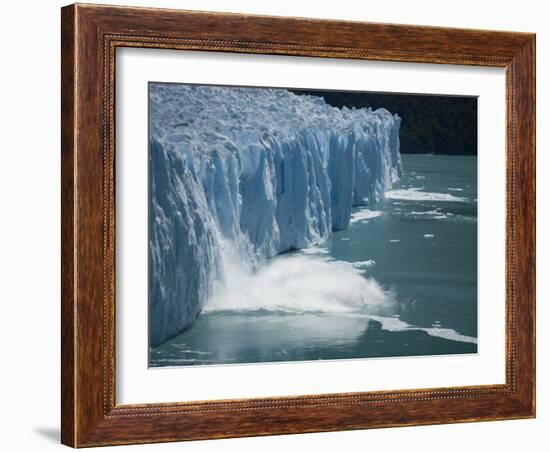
column 401, row 280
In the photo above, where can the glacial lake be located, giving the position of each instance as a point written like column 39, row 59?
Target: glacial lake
column 401, row 280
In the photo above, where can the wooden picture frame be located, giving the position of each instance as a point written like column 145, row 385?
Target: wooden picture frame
column 90, row 36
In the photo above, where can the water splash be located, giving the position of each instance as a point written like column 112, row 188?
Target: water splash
column 299, row 284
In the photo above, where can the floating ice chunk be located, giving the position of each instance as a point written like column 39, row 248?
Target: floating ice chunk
column 314, row 250
column 435, row 214
column 364, row 264
column 415, row 194
column 394, row 324
column 450, row 334
column 364, row 214
column 427, row 212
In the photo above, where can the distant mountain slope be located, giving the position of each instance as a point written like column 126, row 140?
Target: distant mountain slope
column 430, row 124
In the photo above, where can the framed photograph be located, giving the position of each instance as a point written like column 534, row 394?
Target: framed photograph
column 281, row 225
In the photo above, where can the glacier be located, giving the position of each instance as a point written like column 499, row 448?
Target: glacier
column 239, row 175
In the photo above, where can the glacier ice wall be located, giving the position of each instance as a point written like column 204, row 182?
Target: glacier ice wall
column 243, row 174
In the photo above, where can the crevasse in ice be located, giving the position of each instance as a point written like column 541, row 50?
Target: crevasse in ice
column 243, row 174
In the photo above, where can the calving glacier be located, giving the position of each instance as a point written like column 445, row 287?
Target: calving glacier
column 239, row 175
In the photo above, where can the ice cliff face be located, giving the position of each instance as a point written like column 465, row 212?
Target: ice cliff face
column 238, row 175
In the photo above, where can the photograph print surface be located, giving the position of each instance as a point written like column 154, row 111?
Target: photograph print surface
column 300, row 225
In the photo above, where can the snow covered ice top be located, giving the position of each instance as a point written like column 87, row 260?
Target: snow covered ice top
column 238, row 175
column 210, row 118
